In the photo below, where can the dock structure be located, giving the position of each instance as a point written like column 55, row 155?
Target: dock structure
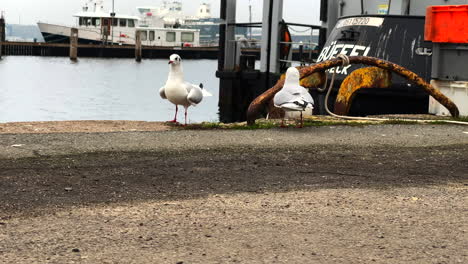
column 11, row 48
column 240, row 81
column 107, row 51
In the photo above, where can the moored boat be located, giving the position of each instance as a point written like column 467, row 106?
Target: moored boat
column 95, row 26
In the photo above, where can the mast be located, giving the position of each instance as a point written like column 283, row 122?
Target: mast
column 112, row 22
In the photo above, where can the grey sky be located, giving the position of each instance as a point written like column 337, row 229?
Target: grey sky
column 61, row 11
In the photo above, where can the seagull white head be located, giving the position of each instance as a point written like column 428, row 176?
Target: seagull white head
column 292, row 76
column 175, row 59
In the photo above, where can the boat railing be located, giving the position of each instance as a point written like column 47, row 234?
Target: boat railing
column 304, row 51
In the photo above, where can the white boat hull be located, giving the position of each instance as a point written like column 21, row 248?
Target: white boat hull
column 61, row 34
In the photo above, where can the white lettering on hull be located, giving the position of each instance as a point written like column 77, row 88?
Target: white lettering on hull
column 360, row 21
column 345, row 49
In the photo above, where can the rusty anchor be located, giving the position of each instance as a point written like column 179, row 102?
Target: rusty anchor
column 261, row 101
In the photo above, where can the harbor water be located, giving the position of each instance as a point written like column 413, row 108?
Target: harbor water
column 56, row 89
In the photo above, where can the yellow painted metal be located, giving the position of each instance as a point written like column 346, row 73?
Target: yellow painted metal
column 369, row 77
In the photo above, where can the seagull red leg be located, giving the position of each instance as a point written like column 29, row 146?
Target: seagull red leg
column 282, row 124
column 175, row 117
column 302, row 122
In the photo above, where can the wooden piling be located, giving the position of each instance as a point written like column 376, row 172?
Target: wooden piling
column 138, row 47
column 2, row 34
column 301, row 54
column 74, row 44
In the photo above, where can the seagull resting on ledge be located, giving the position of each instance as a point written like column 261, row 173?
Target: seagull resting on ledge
column 293, row 97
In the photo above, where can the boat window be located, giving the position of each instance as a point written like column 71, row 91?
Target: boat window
column 144, row 35
column 115, row 22
column 131, row 23
column 105, row 22
column 151, row 35
column 123, row 22
column 143, row 10
column 82, row 21
column 96, row 22
column 170, row 36
column 187, row 37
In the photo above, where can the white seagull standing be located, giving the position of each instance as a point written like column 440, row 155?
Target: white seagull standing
column 178, row 91
column 293, row 97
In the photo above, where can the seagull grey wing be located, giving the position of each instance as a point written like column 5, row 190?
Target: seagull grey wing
column 297, row 101
column 162, row 92
column 300, row 93
column 283, row 97
column 307, row 97
column 195, row 94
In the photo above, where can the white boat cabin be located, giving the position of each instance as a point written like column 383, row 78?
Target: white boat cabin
column 169, row 37
column 97, row 25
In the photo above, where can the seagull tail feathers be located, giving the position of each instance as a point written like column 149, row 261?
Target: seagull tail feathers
column 206, row 93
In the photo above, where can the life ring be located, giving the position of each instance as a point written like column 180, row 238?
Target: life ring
column 284, row 48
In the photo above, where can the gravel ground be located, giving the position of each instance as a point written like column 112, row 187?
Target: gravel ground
column 371, row 194
column 90, row 126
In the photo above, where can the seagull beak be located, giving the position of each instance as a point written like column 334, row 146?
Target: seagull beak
column 170, row 62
